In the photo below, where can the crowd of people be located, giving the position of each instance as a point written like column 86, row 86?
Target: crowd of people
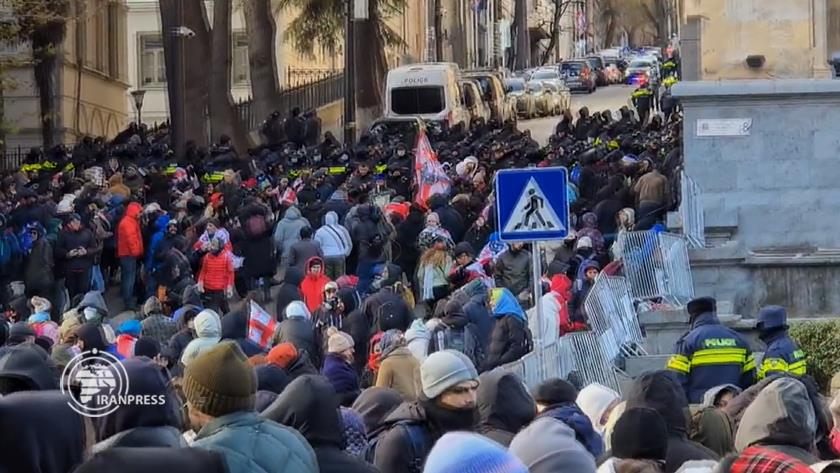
column 305, row 307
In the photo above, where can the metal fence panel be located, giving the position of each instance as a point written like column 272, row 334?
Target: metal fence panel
column 304, row 95
column 591, row 361
column 657, row 266
column 691, row 212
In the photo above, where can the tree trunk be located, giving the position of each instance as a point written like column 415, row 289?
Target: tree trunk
column 46, row 48
column 262, row 30
column 371, row 67
column 196, row 78
column 560, row 7
column 223, row 119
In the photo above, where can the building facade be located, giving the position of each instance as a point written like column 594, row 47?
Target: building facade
column 719, row 35
column 92, row 78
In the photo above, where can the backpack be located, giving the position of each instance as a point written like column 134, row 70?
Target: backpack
column 256, row 226
column 417, row 438
column 463, row 340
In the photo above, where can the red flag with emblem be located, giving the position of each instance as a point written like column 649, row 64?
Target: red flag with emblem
column 429, row 175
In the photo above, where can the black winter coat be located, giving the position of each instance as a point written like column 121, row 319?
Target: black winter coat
column 394, row 452
column 504, row 406
column 388, row 310
column 67, row 241
column 310, row 406
column 288, row 292
column 660, row 391
column 507, row 342
column 300, row 332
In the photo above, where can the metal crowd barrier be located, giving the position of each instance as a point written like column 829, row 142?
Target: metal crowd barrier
column 581, row 353
column 609, row 308
column 591, row 362
column 691, row 212
column 657, row 267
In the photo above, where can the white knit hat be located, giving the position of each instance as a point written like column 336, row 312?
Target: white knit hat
column 40, row 304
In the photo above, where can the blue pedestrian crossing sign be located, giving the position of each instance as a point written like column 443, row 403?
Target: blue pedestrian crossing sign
column 532, row 204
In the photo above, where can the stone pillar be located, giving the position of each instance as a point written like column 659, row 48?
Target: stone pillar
column 821, row 53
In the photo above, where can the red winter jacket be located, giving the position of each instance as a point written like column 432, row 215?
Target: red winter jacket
column 217, row 273
column 312, row 287
column 129, row 237
column 561, row 289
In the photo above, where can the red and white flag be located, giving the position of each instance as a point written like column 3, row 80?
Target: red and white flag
column 429, row 174
column 261, row 325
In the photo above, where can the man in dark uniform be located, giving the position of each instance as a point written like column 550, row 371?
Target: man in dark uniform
column 710, row 354
column 642, row 99
column 782, row 354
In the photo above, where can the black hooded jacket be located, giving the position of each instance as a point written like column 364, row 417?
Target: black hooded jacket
column 144, row 460
column 310, row 406
column 374, row 405
column 659, row 390
column 289, row 291
column 357, row 325
column 504, row 406
column 156, row 425
column 28, row 365
column 43, row 434
column 235, row 328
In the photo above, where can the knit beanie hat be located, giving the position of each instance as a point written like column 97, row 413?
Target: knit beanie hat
column 146, row 346
column 39, row 304
column 282, row 355
column 443, row 370
column 554, row 391
column 640, row 433
column 464, row 452
column 338, row 341
column 220, row 381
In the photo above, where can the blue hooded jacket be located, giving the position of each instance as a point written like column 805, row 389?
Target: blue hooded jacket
column 504, row 303
column 570, row 414
column 157, row 237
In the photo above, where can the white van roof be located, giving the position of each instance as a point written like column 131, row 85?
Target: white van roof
column 426, row 66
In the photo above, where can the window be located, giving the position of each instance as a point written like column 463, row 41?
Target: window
column 417, row 100
column 241, row 69
column 152, row 65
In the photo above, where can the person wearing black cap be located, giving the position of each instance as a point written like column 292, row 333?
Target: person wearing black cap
column 710, row 354
column 782, row 354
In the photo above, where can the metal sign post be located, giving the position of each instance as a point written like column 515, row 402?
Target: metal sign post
column 532, row 206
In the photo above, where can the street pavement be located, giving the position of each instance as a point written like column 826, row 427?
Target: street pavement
column 605, row 98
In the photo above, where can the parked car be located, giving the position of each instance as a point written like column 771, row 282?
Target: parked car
column 525, row 105
column 597, row 64
column 493, row 93
column 560, row 97
column 577, row 75
column 614, row 74
column 638, row 70
column 471, row 95
column 542, row 97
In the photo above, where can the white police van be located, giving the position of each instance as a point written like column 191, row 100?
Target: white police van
column 429, row 91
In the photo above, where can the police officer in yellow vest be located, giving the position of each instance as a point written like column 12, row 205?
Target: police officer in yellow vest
column 782, row 354
column 643, row 100
column 710, row 354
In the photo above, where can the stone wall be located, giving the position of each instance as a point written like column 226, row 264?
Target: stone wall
column 775, row 193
